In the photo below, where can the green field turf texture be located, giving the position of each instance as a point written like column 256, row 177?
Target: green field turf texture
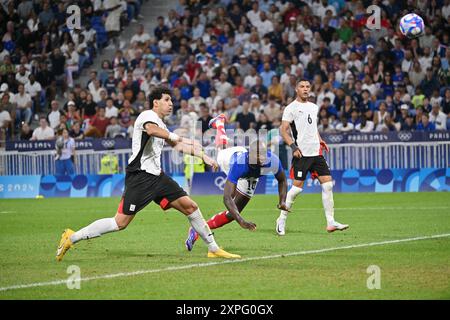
column 30, row 231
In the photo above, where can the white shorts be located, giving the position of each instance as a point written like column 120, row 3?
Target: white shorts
column 245, row 186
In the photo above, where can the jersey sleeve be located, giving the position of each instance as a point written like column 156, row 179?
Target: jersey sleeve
column 147, row 117
column 287, row 115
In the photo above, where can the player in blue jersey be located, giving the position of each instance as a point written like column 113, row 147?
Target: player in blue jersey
column 243, row 168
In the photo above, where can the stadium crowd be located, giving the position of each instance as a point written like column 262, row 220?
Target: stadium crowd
column 241, row 58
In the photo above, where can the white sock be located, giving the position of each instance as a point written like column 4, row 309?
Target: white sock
column 95, row 229
column 327, row 200
column 290, row 199
column 201, row 227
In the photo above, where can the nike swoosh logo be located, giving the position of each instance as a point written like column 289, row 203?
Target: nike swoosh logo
column 278, row 229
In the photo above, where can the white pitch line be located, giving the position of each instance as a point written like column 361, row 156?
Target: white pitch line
column 209, row 264
column 364, row 208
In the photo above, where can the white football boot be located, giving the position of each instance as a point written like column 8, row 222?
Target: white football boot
column 281, row 226
column 337, row 226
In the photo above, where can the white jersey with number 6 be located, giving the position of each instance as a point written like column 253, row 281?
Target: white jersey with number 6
column 303, row 120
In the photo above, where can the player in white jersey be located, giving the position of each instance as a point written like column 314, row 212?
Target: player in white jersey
column 145, row 182
column 301, row 116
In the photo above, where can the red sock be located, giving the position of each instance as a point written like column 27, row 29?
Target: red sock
column 219, row 220
column 221, row 134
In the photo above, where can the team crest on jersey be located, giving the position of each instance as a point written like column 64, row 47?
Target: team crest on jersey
column 299, row 174
column 132, row 207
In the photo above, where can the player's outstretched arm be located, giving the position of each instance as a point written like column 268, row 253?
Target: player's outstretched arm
column 282, row 190
column 153, row 130
column 228, row 192
column 194, row 148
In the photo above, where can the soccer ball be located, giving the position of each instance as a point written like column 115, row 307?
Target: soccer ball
column 59, row 142
column 412, row 25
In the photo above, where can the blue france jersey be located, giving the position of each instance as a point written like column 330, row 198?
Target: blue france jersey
column 240, row 166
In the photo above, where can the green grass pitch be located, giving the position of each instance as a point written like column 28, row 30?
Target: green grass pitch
column 154, row 243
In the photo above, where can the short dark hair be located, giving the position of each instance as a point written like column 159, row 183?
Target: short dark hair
column 157, row 94
column 302, row 80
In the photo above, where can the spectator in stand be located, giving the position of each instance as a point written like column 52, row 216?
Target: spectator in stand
column 43, row 132
column 88, row 107
column 408, row 124
column 429, row 83
column 97, row 125
column 260, row 89
column 76, row 132
column 125, row 115
column 380, row 116
column 5, row 123
column 54, row 115
column 276, row 90
column 72, row 114
column 110, row 110
column 196, row 100
column 267, row 75
column 344, row 126
column 114, row 130
column 355, row 117
column 23, row 75
column 26, row 133
column 141, row 37
column 161, row 28
column 437, row 117
column 425, row 124
column 272, row 110
column 205, row 117
column 222, row 86
column 403, row 115
column 325, row 126
column 365, row 125
column 24, row 103
column 245, row 120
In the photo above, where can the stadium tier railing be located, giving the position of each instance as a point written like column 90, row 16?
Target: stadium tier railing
column 342, row 156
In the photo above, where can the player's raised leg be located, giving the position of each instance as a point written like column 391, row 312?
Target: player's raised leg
column 188, row 207
column 218, row 123
column 328, row 204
